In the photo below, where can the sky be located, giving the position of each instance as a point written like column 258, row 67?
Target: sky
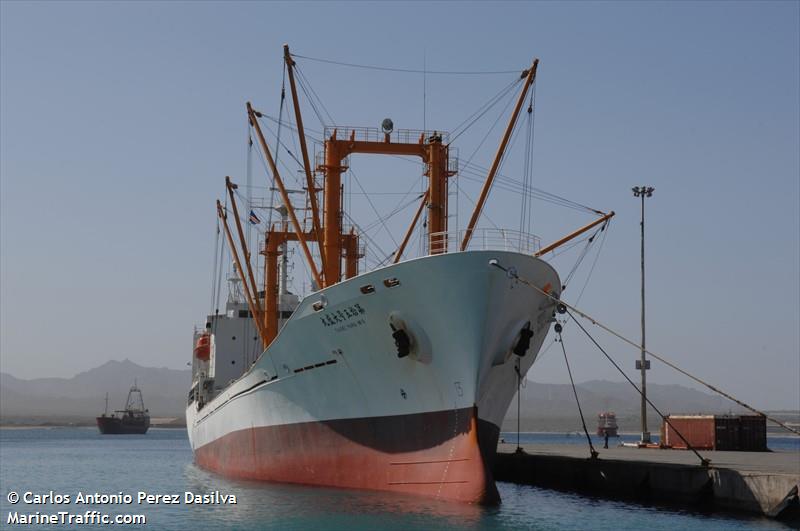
column 119, row 122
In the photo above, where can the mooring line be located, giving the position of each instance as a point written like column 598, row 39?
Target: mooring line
column 703, row 461
column 639, row 347
column 592, row 451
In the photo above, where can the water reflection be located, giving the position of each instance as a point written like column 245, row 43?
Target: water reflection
column 277, row 505
column 72, row 459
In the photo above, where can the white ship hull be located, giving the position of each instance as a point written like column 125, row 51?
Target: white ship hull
column 331, row 403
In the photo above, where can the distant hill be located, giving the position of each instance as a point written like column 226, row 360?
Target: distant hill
column 545, row 407
column 83, row 395
column 548, row 407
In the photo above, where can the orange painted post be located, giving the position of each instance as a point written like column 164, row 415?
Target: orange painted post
column 271, row 252
column 530, row 78
column 575, row 234
column 437, row 202
column 332, row 225
column 351, row 255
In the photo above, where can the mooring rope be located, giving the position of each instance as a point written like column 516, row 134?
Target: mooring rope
column 703, row 460
column 519, row 400
column 639, row 347
column 592, row 451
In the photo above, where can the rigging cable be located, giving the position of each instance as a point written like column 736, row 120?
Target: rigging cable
column 275, row 148
column 401, row 205
column 519, row 402
column 583, row 254
column 282, row 144
column 639, row 347
column 406, row 70
column 382, row 221
column 305, row 84
column 366, row 236
column 472, row 155
column 704, row 461
column 481, row 111
column 560, row 339
column 214, row 271
column 585, row 285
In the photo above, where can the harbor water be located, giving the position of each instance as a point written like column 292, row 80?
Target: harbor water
column 72, row 460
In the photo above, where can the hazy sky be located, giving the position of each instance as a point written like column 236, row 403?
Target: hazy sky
column 119, row 121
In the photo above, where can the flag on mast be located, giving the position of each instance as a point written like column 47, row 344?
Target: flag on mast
column 254, row 219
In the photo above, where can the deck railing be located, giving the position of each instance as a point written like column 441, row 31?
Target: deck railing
column 486, row 239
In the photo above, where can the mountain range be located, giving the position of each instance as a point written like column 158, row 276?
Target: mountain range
column 83, row 396
column 544, row 407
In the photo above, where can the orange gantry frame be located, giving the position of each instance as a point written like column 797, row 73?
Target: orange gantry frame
column 327, row 229
column 272, row 251
column 433, row 153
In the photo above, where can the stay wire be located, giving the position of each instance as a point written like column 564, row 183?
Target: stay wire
column 364, row 233
column 583, row 254
column 519, row 401
column 651, row 353
column 408, row 70
column 526, row 171
column 502, row 159
column 592, row 451
column 585, row 285
column 394, row 212
column 605, row 230
column 531, row 153
column 307, row 83
column 289, row 152
column 371, row 204
column 275, row 148
column 477, row 173
column 216, row 264
column 480, row 112
column 489, row 132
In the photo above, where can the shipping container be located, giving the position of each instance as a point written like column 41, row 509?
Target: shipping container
column 716, row 432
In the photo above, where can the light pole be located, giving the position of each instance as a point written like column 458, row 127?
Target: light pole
column 643, row 364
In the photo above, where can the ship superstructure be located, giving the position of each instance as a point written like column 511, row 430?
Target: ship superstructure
column 394, row 379
column 133, row 419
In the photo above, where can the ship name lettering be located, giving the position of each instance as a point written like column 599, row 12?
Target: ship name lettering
column 347, row 313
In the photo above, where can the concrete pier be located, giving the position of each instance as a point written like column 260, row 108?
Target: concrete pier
column 759, row 482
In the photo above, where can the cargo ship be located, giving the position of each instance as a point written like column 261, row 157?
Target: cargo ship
column 133, row 420
column 607, row 424
column 393, row 379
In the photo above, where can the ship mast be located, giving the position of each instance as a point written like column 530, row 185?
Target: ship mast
column 530, row 77
column 334, row 243
column 253, row 116
column 312, row 187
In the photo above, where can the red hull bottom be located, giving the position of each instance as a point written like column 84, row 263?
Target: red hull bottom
column 437, row 455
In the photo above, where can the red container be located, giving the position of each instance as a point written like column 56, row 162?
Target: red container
column 716, row 432
column 699, row 430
